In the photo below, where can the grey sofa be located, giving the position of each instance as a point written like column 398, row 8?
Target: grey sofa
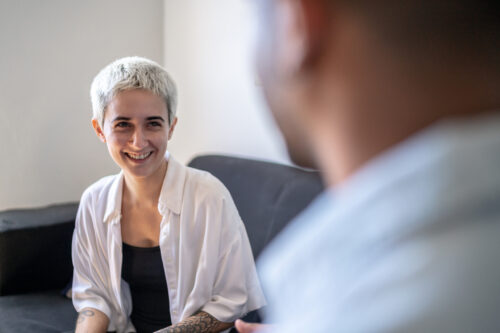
column 35, row 244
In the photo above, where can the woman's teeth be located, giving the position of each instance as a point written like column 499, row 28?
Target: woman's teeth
column 138, row 156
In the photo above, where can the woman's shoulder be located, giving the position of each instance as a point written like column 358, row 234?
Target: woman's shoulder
column 209, row 194
column 206, row 184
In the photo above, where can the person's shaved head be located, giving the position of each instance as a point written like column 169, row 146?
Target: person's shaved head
column 426, row 27
column 347, row 79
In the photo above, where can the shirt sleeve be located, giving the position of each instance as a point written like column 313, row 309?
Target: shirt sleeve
column 90, row 280
column 236, row 289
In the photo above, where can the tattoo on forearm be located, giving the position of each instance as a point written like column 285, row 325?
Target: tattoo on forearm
column 201, row 322
column 84, row 315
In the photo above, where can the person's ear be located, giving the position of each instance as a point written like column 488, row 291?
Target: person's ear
column 302, row 28
column 172, row 127
column 98, row 130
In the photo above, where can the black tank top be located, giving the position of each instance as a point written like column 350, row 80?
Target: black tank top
column 142, row 269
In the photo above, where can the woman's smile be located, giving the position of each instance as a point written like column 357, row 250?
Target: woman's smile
column 136, row 157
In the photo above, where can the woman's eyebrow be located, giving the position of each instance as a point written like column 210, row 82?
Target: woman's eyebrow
column 148, row 118
column 155, row 118
column 120, row 118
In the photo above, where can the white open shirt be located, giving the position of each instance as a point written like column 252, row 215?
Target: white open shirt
column 206, row 254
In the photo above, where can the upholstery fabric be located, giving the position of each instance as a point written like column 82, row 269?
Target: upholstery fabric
column 46, row 312
column 268, row 195
column 35, row 247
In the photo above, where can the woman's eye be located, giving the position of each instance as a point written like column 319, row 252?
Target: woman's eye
column 122, row 124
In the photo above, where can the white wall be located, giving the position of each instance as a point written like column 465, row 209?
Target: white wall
column 209, row 52
column 49, row 52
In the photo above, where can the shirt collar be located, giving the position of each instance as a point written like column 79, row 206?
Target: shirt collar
column 172, row 190
column 426, row 156
column 171, row 194
column 114, row 199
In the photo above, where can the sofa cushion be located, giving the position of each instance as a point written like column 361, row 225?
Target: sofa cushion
column 35, row 247
column 267, row 195
column 46, row 312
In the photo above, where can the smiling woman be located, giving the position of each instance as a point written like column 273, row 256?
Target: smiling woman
column 141, row 235
column 136, row 130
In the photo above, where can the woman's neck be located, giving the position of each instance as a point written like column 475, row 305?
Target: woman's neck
column 144, row 190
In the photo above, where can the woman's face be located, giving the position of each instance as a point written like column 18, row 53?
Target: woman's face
column 136, row 131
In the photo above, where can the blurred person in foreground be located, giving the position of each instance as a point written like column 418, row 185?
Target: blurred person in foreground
column 397, row 103
column 159, row 246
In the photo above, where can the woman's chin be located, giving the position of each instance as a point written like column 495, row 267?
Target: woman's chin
column 142, row 170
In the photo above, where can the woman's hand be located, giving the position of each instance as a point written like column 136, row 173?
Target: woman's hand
column 244, row 327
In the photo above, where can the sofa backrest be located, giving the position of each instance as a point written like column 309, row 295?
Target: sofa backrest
column 267, row 195
column 35, row 248
column 35, row 243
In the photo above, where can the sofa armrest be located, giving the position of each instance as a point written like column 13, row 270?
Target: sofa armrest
column 35, row 248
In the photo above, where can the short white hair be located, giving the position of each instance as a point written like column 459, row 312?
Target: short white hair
column 127, row 74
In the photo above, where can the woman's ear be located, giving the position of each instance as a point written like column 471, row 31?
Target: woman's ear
column 172, row 127
column 98, row 130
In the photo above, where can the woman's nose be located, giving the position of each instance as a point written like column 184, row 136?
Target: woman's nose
column 139, row 139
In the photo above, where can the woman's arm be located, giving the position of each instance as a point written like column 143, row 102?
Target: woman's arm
column 91, row 321
column 201, row 322
column 90, row 289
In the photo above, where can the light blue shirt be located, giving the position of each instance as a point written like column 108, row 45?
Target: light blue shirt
column 411, row 243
